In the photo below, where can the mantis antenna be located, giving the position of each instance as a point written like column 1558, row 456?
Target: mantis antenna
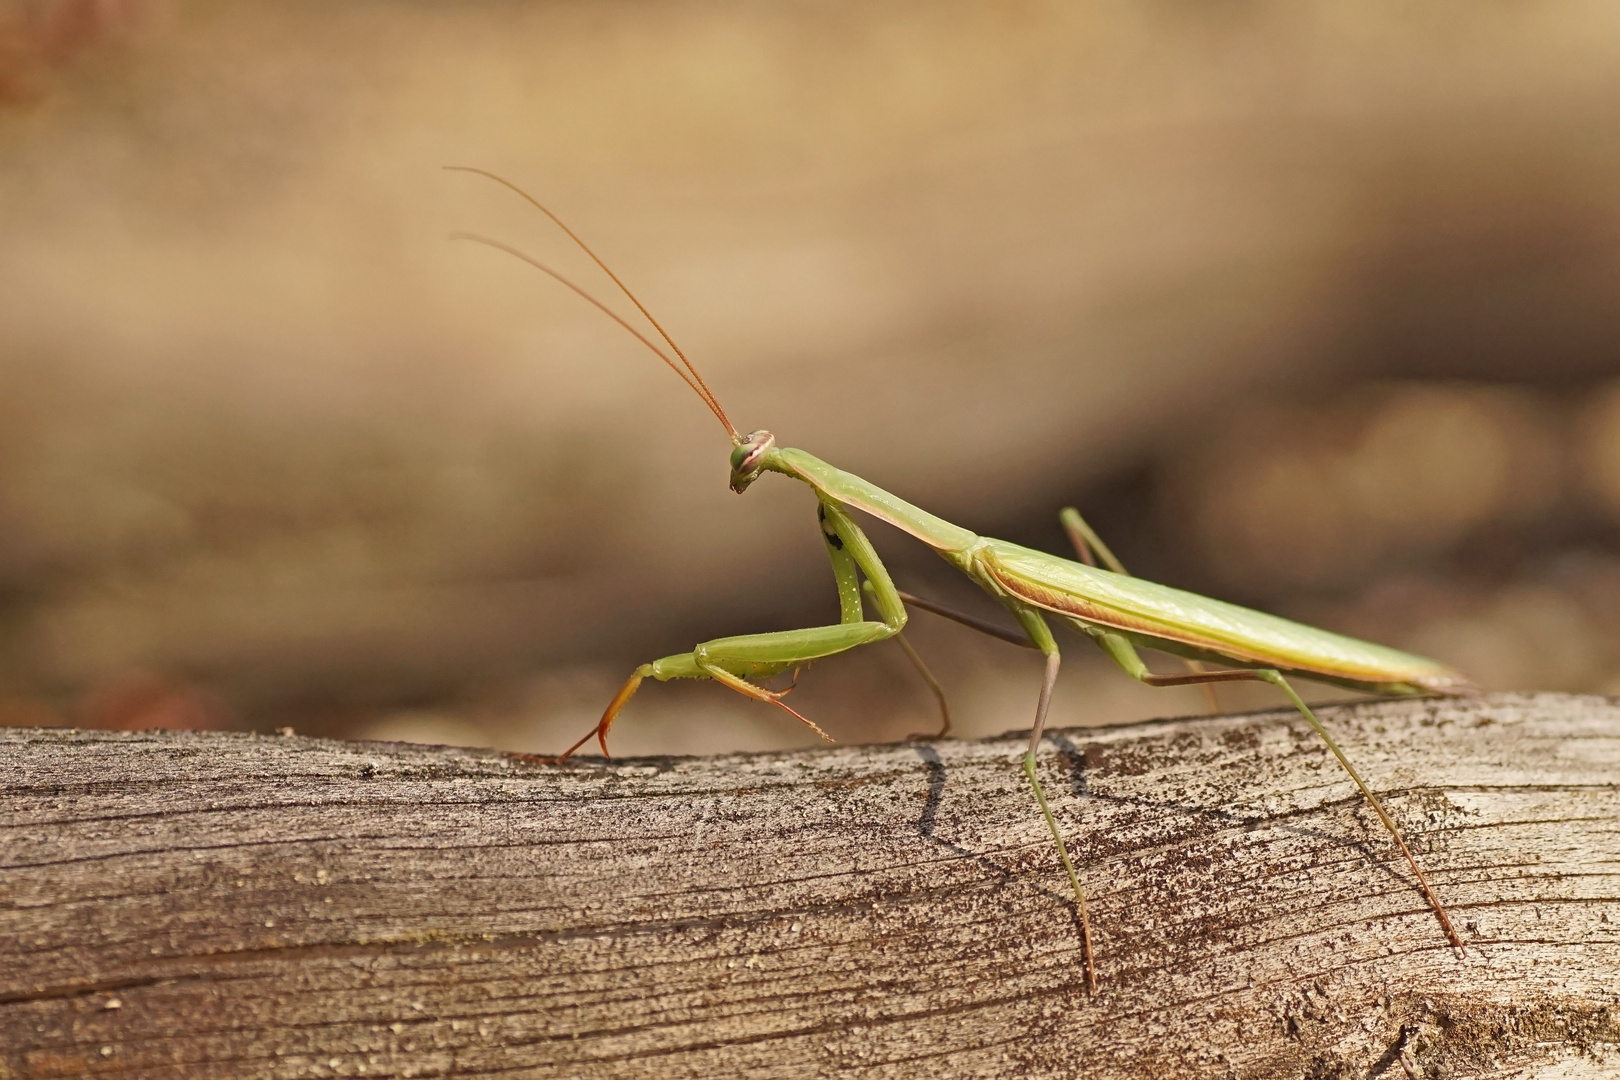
column 685, row 369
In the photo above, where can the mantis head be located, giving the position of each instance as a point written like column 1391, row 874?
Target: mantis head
column 748, row 458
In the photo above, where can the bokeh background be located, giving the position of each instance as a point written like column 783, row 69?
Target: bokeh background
column 1310, row 306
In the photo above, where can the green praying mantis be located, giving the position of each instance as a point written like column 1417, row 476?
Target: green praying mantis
column 1118, row 612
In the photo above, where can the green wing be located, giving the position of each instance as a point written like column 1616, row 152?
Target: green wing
column 1149, row 610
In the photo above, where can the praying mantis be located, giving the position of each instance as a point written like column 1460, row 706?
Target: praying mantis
column 1117, row 612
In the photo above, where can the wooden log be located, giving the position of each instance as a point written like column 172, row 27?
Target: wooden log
column 213, row 904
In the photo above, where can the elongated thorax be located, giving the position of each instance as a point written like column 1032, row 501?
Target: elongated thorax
column 851, row 490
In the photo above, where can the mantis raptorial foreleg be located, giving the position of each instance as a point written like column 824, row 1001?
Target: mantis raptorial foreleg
column 1123, row 653
column 731, row 660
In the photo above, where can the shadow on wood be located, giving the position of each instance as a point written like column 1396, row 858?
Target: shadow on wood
column 203, row 905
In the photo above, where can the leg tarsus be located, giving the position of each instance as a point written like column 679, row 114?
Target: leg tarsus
column 626, row 692
column 801, row 718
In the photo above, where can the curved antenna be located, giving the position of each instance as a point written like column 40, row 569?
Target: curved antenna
column 697, row 387
column 696, row 381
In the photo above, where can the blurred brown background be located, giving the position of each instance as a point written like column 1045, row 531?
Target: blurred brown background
column 1313, row 307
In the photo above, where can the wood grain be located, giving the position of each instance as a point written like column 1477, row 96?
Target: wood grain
column 211, row 905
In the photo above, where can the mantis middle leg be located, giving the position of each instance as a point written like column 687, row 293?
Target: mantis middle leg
column 1040, row 636
column 731, row 660
column 1036, row 635
column 1123, row 653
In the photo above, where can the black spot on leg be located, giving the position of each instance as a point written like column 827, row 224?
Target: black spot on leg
column 827, row 530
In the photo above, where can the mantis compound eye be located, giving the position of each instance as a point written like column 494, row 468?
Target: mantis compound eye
column 748, row 457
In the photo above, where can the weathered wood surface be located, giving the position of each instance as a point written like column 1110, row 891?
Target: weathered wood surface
column 208, row 905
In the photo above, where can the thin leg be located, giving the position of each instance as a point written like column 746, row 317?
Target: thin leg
column 933, row 684
column 922, row 669
column 1276, row 679
column 1124, row 654
column 1041, row 635
column 1036, row 635
column 972, row 622
column 1085, row 541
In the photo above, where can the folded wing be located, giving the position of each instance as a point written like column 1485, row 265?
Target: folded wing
column 1135, row 606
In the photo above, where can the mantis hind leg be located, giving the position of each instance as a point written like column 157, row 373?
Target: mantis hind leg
column 1124, row 654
